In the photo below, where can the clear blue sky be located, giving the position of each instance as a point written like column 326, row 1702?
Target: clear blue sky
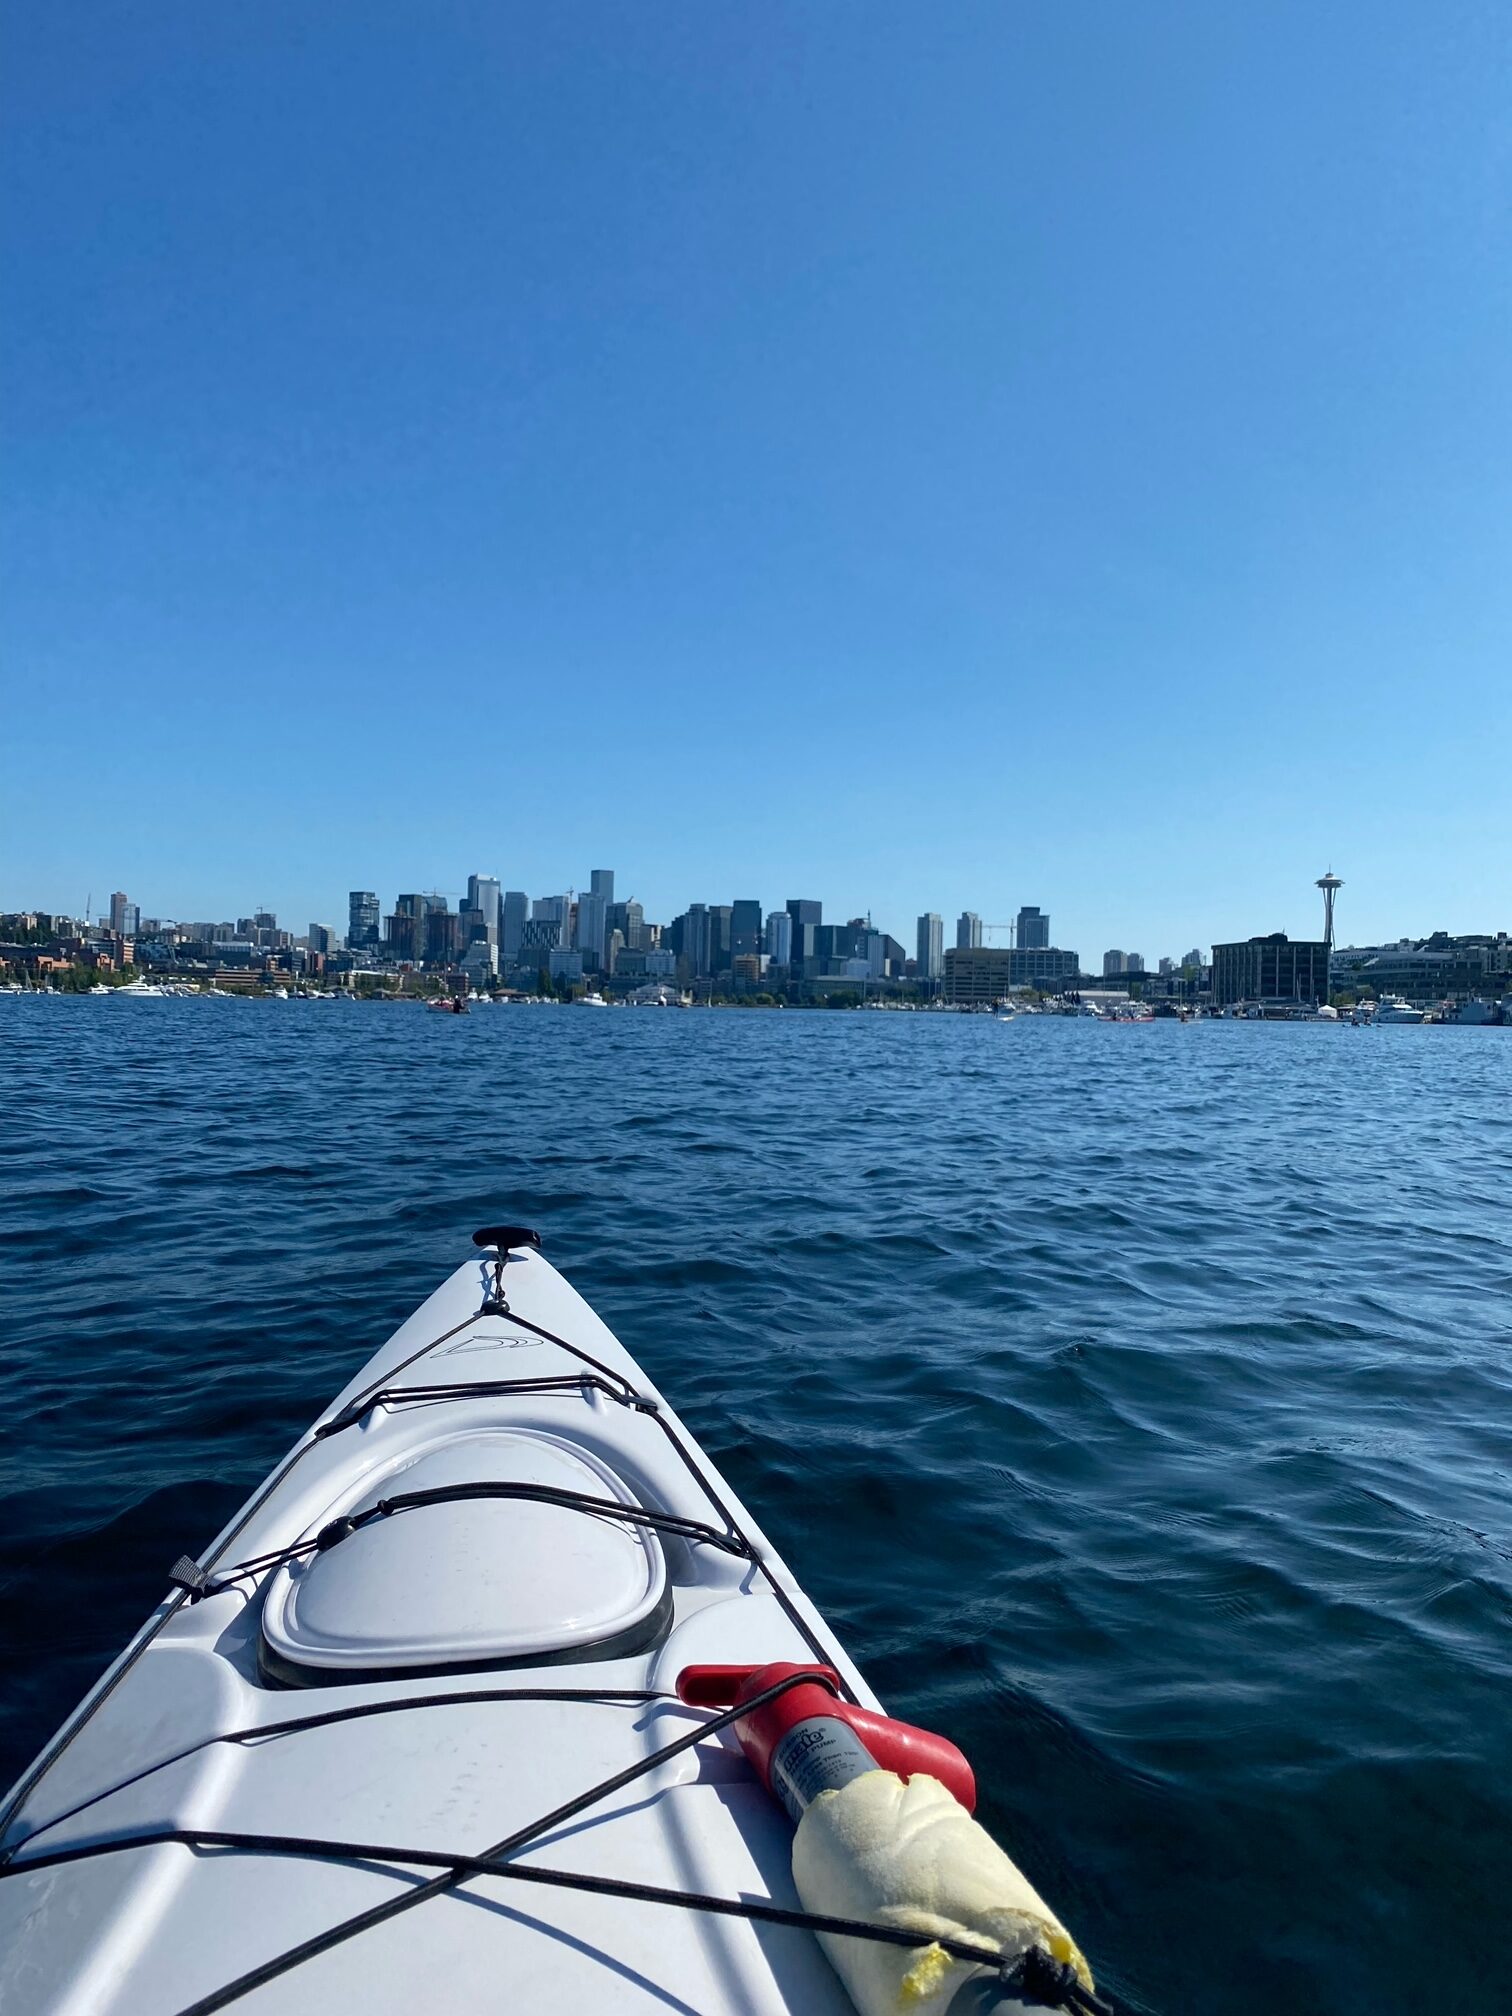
column 914, row 456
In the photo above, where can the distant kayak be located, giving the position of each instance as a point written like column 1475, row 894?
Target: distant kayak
column 494, row 1697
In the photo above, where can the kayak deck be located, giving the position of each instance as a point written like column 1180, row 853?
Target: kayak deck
column 317, row 1697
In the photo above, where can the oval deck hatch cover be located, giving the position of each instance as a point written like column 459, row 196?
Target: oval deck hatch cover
column 475, row 1582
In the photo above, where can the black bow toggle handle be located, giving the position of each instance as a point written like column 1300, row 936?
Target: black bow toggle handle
column 498, row 1242
column 505, row 1238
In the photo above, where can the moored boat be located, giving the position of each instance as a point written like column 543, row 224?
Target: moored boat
column 437, row 1722
column 1394, row 1009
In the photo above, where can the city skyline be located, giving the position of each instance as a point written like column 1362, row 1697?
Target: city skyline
column 747, row 926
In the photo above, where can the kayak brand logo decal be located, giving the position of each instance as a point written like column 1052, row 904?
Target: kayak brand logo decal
column 490, row 1340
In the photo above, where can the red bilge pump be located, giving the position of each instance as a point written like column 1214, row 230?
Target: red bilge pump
column 810, row 1741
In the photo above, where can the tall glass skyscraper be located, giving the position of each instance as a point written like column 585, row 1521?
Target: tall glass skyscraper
column 483, row 897
column 745, row 927
column 362, row 920
column 516, row 911
column 807, row 916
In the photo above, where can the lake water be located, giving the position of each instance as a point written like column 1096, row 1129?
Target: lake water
column 1136, row 1400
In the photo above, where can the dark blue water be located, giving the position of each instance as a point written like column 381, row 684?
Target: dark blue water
column 1136, row 1400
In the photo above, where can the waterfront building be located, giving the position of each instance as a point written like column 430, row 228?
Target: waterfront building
column 564, row 963
column 1033, row 932
column 1051, row 968
column 779, row 938
column 931, row 942
column 745, row 928
column 1275, row 968
column 1473, row 966
column 363, row 917
column 968, row 930
column 976, row 976
column 515, row 914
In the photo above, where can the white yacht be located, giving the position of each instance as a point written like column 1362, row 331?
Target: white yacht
column 1394, row 1009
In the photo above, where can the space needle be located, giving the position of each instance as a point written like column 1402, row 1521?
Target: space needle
column 1330, row 884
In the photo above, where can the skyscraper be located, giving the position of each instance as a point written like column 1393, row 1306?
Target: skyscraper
column 695, row 938
column 516, row 909
column 592, row 924
column 1033, row 928
column 1114, row 963
column 443, row 932
column 483, row 896
column 601, row 884
column 745, row 928
column 406, row 928
column 779, row 937
column 362, row 920
column 968, row 931
column 721, row 917
column 931, row 955
column 807, row 917
column 629, row 919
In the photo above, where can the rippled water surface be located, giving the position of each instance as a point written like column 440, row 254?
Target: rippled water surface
column 1136, row 1400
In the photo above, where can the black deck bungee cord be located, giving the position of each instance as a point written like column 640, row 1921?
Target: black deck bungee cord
column 1033, row 1974
column 480, row 1389
column 351, row 1711
column 189, row 1576
column 1027, row 1974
